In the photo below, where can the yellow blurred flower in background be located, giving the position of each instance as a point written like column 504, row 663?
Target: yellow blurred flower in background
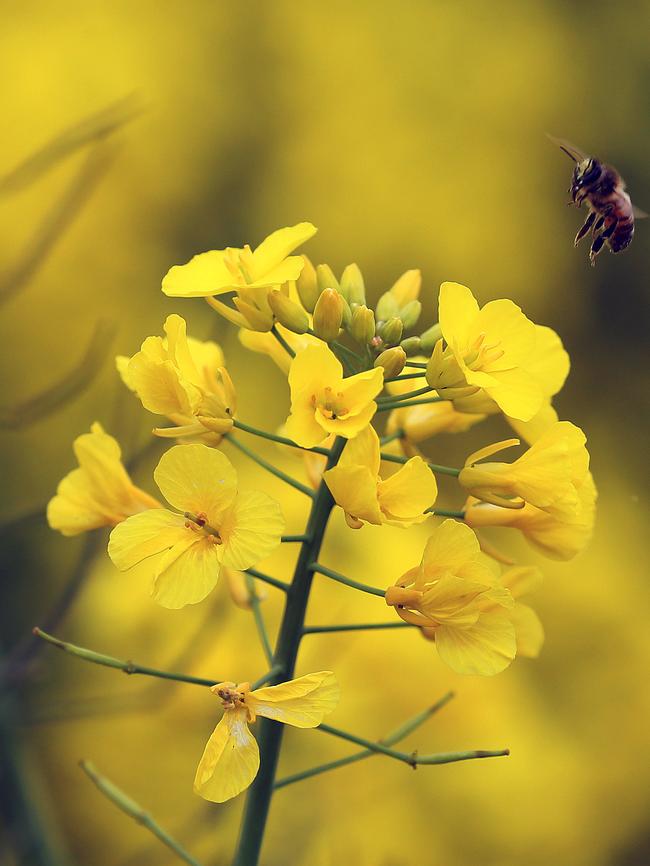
column 231, row 758
column 98, row 493
column 401, row 499
column 323, row 402
column 216, row 525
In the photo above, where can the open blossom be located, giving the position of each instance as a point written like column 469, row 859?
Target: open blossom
column 323, row 402
column 98, row 493
column 560, row 536
column 455, row 595
column 497, row 351
column 219, row 271
column 355, row 483
column 213, row 525
column 231, row 758
column 183, row 379
column 548, row 475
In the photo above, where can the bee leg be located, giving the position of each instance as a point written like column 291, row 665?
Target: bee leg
column 598, row 226
column 597, row 245
column 585, row 228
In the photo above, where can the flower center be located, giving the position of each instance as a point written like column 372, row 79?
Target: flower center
column 240, row 265
column 231, row 695
column 199, row 523
column 330, row 404
column 480, row 355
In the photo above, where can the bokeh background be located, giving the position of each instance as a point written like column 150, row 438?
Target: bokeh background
column 412, row 135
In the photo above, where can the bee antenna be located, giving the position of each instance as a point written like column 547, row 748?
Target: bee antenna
column 568, row 153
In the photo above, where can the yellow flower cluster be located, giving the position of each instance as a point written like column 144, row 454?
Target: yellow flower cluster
column 339, row 354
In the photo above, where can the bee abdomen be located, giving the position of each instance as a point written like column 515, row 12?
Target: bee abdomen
column 622, row 237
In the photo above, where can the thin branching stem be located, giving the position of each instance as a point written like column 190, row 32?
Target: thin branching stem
column 402, row 377
column 269, row 675
column 135, row 811
column 267, row 578
column 278, row 336
column 398, row 398
column 292, row 482
column 434, row 467
column 290, row 539
column 274, row 437
column 341, row 578
column 357, row 626
column 260, row 625
column 388, row 407
column 446, row 512
column 391, row 437
column 417, row 364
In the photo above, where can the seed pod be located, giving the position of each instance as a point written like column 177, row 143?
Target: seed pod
column 392, row 360
column 288, row 312
column 328, row 315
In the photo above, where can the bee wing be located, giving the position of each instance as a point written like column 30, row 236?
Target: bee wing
column 638, row 213
column 570, row 149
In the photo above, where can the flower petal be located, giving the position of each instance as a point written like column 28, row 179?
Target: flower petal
column 550, row 364
column 230, row 760
column 354, row 489
column 303, row 702
column 517, row 393
column 187, row 572
column 449, row 547
column 302, row 427
column 363, row 450
column 362, row 388
column 529, row 631
column 485, row 648
column 251, row 529
column 278, row 245
column 144, row 535
column 407, row 493
column 314, row 369
column 204, row 274
column 196, row 478
column 457, row 310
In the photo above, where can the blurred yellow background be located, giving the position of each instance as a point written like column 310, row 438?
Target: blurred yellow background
column 412, row 135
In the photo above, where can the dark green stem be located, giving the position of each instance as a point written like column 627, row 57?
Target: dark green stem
column 356, row 626
column 434, row 467
column 347, row 581
column 292, row 482
column 278, row 336
column 273, row 437
column 397, row 398
column 270, row 732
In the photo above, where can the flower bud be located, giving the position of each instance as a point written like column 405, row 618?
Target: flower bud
column 347, row 312
column 257, row 320
column 307, row 286
column 410, row 313
column 392, row 360
column 387, row 307
column 411, row 346
column 325, row 278
column 407, row 287
column 362, row 328
column 352, row 286
column 288, row 312
column 429, row 338
column 391, row 331
column 328, row 315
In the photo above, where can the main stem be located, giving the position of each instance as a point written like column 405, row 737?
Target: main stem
column 259, row 795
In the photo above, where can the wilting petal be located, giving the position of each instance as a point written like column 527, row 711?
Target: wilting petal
column 144, row 535
column 485, row 648
column 187, row 572
column 251, row 529
column 230, row 761
column 302, row 703
column 196, row 478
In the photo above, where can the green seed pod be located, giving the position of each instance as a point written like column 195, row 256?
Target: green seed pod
column 288, row 312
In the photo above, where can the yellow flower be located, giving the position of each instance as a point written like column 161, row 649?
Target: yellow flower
column 266, row 344
column 522, row 580
column 323, row 402
column 496, row 350
column 231, row 758
column 217, row 525
column 558, row 537
column 183, row 379
column 426, row 420
column 232, row 269
column 98, row 493
column 454, row 594
column 548, row 475
column 355, row 483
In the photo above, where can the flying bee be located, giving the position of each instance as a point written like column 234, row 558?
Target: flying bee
column 611, row 212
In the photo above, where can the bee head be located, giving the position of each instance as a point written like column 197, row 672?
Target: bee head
column 585, row 171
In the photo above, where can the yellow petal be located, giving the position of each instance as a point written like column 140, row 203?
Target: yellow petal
column 457, row 310
column 516, row 393
column 354, row 489
column 449, row 547
column 407, row 493
column 161, row 388
column 144, row 535
column 187, row 572
column 359, row 390
column 350, row 425
column 303, row 702
column 531, row 431
column 251, row 529
column 302, row 427
column 314, row 369
column 503, row 321
column 529, row 631
column 178, row 347
column 204, row 274
column 362, row 450
column 278, row 245
column 196, row 478
column 452, row 601
column 282, row 273
column 550, row 363
column 230, row 761
column 485, row 648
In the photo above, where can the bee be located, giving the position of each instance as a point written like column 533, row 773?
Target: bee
column 611, row 212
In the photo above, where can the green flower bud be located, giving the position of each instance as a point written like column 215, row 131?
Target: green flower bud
column 429, row 338
column 325, row 278
column 307, row 286
column 391, row 331
column 328, row 315
column 410, row 313
column 387, row 307
column 288, row 312
column 392, row 360
column 352, row 285
column 411, row 346
column 257, row 320
column 363, row 325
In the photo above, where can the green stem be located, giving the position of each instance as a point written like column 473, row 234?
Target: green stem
column 402, row 377
column 360, row 626
column 259, row 619
column 278, row 336
column 273, row 437
column 266, row 578
column 445, row 512
column 417, row 364
column 270, row 732
column 287, row 539
column 128, row 667
column 268, row 676
column 341, row 578
column 398, row 398
column 298, row 485
column 434, row 467
column 388, row 407
column 135, row 811
column 389, row 740
column 391, row 437
column 412, row 759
